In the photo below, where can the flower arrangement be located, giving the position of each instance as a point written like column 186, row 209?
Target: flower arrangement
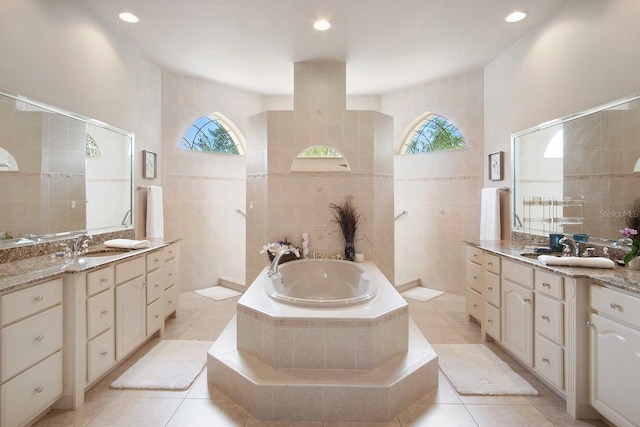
column 631, row 233
column 274, row 248
column 348, row 218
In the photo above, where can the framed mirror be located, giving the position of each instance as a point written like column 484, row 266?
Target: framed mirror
column 576, row 174
column 75, row 173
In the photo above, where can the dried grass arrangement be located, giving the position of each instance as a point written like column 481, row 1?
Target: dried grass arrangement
column 348, row 218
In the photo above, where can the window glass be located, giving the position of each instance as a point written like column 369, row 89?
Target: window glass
column 432, row 133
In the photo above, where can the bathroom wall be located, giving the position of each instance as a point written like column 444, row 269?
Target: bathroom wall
column 285, row 204
column 440, row 191
column 202, row 190
column 582, row 57
column 57, row 53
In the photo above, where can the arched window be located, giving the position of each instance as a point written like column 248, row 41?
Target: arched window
column 212, row 133
column 432, row 133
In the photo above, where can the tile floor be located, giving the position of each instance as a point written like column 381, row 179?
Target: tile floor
column 441, row 320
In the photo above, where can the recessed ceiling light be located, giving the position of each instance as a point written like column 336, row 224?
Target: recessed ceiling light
column 321, row 25
column 128, row 17
column 516, row 16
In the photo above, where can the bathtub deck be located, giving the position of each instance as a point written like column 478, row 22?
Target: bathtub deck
column 374, row 395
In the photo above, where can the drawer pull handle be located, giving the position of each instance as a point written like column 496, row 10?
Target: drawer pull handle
column 475, row 305
column 104, row 279
column 546, row 285
column 39, row 298
column 157, row 316
column 40, row 338
column 546, row 360
column 545, row 317
column 157, row 260
column 475, row 277
column 490, row 264
column 475, row 255
column 614, row 305
column 527, row 300
column 489, row 320
column 170, row 301
column 39, row 389
column 170, row 274
column 157, row 285
column 104, row 353
column 104, row 312
column 590, row 324
column 489, row 288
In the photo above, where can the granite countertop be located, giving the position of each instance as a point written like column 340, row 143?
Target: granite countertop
column 22, row 273
column 619, row 277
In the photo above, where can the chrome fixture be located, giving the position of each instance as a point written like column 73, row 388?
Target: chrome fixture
column 404, row 212
column 570, row 247
column 273, row 270
column 127, row 216
column 81, row 243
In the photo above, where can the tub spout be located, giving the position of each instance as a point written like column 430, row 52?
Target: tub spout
column 273, row 270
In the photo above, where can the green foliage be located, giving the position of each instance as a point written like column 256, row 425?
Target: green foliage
column 435, row 134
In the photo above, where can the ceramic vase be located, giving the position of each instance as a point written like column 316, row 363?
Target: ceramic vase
column 349, row 251
column 634, row 264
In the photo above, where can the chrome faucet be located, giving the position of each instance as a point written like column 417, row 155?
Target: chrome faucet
column 81, row 243
column 273, row 270
column 570, row 247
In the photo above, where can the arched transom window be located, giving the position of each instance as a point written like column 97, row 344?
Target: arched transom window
column 212, row 133
column 432, row 133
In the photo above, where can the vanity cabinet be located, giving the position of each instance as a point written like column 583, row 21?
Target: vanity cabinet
column 31, row 365
column 154, row 293
column 549, row 327
column 473, row 277
column 615, row 355
column 171, row 269
column 517, row 310
column 492, row 296
column 100, row 322
column 131, row 305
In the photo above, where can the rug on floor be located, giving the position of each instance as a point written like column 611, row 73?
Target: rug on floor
column 474, row 369
column 218, row 293
column 170, row 365
column 421, row 294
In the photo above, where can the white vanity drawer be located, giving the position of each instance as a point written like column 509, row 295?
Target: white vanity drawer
column 549, row 361
column 100, row 313
column 549, row 284
column 616, row 304
column 29, row 341
column 23, row 303
column 474, row 276
column 130, row 269
column 549, row 318
column 492, row 288
column 475, row 255
column 154, row 285
column 155, row 316
column 170, row 300
column 170, row 269
column 99, row 280
column 492, row 321
column 154, row 260
column 492, row 263
column 100, row 355
column 474, row 304
column 517, row 273
column 31, row 392
column 170, row 252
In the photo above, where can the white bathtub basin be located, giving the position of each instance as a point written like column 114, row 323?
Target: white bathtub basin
column 322, row 283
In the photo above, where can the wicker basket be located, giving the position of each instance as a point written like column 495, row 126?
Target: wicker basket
column 285, row 258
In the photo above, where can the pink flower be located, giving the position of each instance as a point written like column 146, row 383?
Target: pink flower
column 628, row 232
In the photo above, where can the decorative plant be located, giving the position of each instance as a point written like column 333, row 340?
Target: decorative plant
column 348, row 218
column 631, row 233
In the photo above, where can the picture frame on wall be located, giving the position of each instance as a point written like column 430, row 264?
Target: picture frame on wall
column 495, row 166
column 149, row 164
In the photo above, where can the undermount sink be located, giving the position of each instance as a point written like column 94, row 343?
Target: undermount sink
column 535, row 255
column 103, row 252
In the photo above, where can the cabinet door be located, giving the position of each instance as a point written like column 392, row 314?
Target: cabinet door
column 130, row 316
column 615, row 379
column 517, row 321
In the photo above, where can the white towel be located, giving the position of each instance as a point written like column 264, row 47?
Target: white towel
column 490, row 214
column 573, row 261
column 155, row 214
column 127, row 244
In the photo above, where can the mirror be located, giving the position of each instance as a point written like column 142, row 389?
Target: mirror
column 320, row 158
column 576, row 174
column 75, row 173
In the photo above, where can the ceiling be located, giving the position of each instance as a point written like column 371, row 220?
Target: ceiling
column 386, row 44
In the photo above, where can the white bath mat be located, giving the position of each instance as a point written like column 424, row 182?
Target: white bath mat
column 474, row 369
column 170, row 365
column 218, row 293
column 421, row 294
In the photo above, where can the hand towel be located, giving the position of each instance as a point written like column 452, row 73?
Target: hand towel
column 573, row 261
column 127, row 244
column 155, row 214
column 490, row 214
